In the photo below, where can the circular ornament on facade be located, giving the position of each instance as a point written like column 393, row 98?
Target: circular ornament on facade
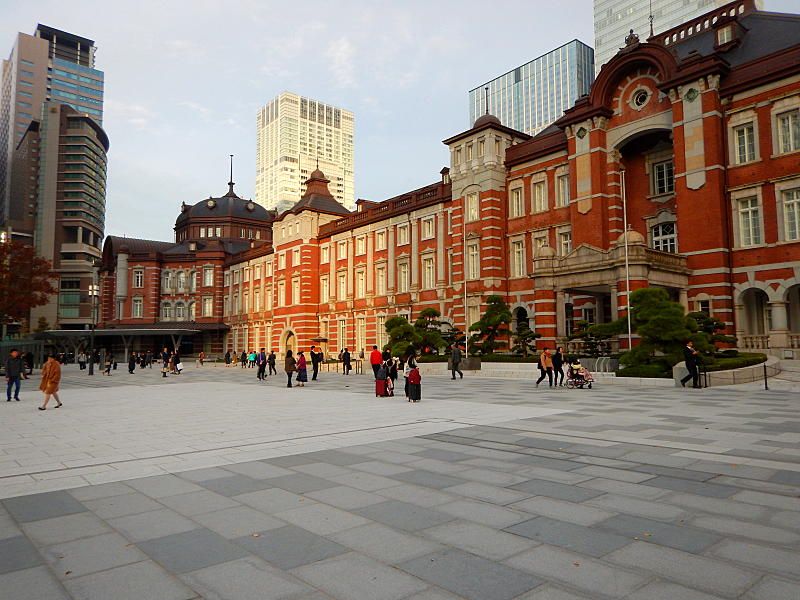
column 251, row 206
column 640, row 98
column 211, row 203
column 691, row 95
column 582, row 132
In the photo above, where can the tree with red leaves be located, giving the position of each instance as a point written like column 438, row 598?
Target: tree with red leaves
column 26, row 281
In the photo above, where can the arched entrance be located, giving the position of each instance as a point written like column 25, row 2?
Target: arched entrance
column 520, row 317
column 289, row 341
column 755, row 302
column 793, row 308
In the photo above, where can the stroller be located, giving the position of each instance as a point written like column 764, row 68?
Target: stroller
column 578, row 376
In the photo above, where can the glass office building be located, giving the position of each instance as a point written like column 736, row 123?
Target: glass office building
column 532, row 96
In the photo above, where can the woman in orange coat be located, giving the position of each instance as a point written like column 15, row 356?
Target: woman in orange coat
column 51, row 378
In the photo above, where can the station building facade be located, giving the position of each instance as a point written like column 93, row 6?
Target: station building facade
column 684, row 156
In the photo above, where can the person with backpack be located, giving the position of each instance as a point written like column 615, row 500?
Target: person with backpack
column 545, row 367
column 414, row 384
column 381, row 380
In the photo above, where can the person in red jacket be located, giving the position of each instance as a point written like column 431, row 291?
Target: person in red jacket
column 375, row 359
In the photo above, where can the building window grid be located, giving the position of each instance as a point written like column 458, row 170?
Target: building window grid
column 428, row 273
column 539, row 196
column 791, row 214
column 789, row 131
column 516, row 205
column 138, row 278
column 473, row 207
column 402, row 277
column 664, row 237
column 518, row 258
column 562, row 190
column 565, row 242
column 663, row 178
column 749, row 221
column 380, row 281
column 427, row 228
column 361, row 287
column 402, row 235
column 473, row 261
column 745, row 143
column 137, row 311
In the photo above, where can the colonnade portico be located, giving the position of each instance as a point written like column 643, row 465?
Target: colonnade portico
column 768, row 316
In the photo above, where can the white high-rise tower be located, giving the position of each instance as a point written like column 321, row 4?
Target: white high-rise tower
column 296, row 134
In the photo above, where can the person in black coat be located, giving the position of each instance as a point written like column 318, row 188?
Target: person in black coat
column 558, row 366
column 690, row 356
column 346, row 362
column 317, row 358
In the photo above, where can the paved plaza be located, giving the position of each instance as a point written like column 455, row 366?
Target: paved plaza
column 211, row 485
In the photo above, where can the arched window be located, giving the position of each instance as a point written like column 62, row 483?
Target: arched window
column 180, row 311
column 181, row 280
column 168, row 280
column 664, row 237
column 192, row 311
column 193, row 281
column 166, row 311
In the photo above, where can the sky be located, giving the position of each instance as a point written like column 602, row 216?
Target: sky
column 184, row 80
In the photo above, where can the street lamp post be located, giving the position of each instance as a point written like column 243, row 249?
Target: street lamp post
column 94, row 292
column 627, row 264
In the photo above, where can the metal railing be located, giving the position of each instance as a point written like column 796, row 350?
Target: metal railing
column 737, row 376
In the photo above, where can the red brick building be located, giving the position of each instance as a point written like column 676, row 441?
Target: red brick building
column 690, row 139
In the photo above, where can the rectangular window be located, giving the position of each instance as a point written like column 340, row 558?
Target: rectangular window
column 324, row 254
column 342, row 334
column 473, row 315
column 208, row 276
column 562, row 190
column 516, row 208
column 380, row 240
column 473, row 261
column 469, row 151
column 518, row 259
column 257, row 300
column 380, row 281
column 361, row 245
column 402, row 277
column 138, row 278
column 361, row 284
column 295, row 292
column 540, row 196
column 324, row 289
column 749, row 222
column 664, row 237
column 202, row 232
column 219, row 232
column 208, row 306
column 281, row 299
column 296, row 257
column 342, row 289
column 745, row 143
column 473, row 207
column 282, row 260
column 428, row 273
column 427, row 228
column 724, row 35
column 789, row 131
column 138, row 308
column 268, row 296
column 481, row 148
column 791, row 214
column 380, row 325
column 704, row 306
column 342, row 250
column 663, row 178
column 564, row 242
column 457, row 156
column 245, row 302
column 402, row 235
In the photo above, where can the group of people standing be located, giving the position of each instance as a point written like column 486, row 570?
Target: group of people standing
column 16, row 371
column 387, row 368
column 551, row 364
column 299, row 365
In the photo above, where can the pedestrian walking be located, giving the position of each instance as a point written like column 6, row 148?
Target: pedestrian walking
column 302, row 369
column 51, row 379
column 176, row 362
column 82, row 360
column 290, row 366
column 546, row 367
column 148, row 359
column 201, row 358
column 132, row 363
column 261, row 361
column 455, row 361
column 271, row 359
column 109, row 363
column 414, row 384
column 243, row 359
column 346, row 362
column 164, row 362
column 375, row 360
column 14, row 374
column 228, row 358
column 690, row 356
column 558, row 366
column 251, row 359
column 317, row 357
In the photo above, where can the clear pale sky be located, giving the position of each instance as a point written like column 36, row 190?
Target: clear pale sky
column 184, row 81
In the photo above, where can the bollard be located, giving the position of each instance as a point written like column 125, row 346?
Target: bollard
column 766, row 386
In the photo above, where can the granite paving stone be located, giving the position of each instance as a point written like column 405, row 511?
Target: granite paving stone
column 560, row 491
column 160, row 486
column 611, row 473
column 771, row 588
column 579, row 514
column 274, row 500
column 637, row 490
column 103, row 490
column 762, row 557
column 680, row 536
column 335, row 457
column 700, row 572
column 290, row 546
column 384, row 543
column 139, row 581
column 18, row 553
column 416, row 494
column 483, row 512
column 245, row 579
column 570, row 536
column 90, row 555
column 578, row 571
column 123, row 505
column 479, row 539
column 8, row 527
column 64, row 529
column 693, row 487
column 345, row 497
column 664, row 590
column 438, row 466
column 634, row 506
column 321, row 519
column 36, row 583
column 730, row 508
column 150, row 525
column 195, row 503
column 235, row 485
column 447, row 455
column 257, row 470
column 354, row 577
column 42, row 506
column 770, row 500
column 206, row 474
column 322, row 470
column 550, row 592
column 470, row 576
column 675, row 472
column 365, row 481
column 785, row 518
column 300, row 483
column 557, row 475
column 191, row 550
column 786, row 477
column 237, row 522
column 377, row 467
column 739, row 528
column 428, row 479
column 488, row 493
column 404, row 516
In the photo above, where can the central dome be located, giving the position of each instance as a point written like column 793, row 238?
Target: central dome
column 487, row 119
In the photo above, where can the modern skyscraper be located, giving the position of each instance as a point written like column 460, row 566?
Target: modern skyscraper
column 534, row 95
column 50, row 65
column 613, row 20
column 70, row 209
column 295, row 136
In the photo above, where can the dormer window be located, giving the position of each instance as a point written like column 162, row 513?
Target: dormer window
column 724, row 35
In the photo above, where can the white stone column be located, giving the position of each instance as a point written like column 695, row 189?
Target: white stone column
column 561, row 315
column 779, row 334
column 684, row 299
